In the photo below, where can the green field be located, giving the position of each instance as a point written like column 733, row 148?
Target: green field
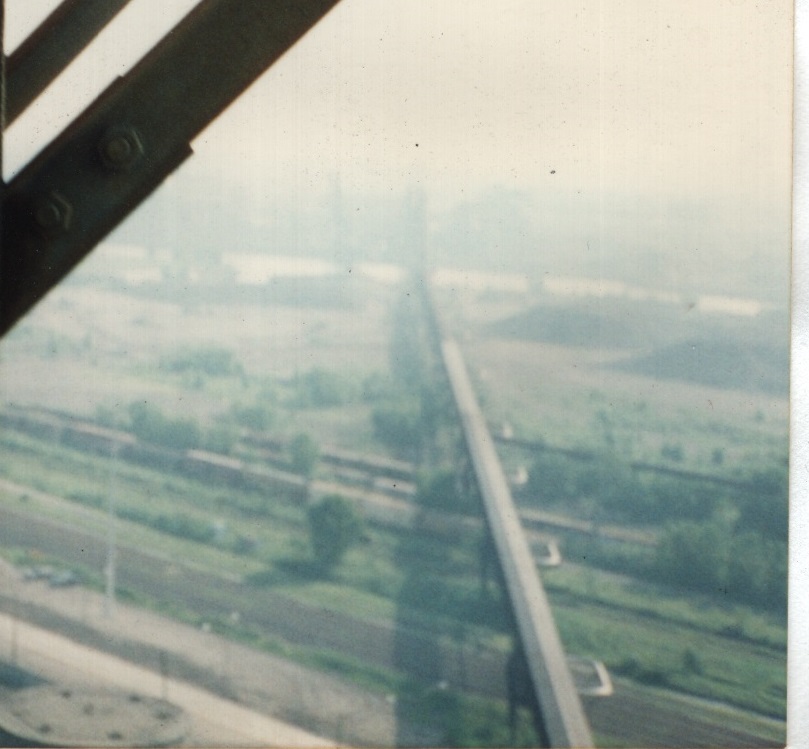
column 67, row 356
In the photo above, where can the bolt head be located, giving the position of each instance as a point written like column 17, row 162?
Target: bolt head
column 52, row 214
column 48, row 215
column 120, row 148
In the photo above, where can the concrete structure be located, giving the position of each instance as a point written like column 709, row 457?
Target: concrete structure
column 560, row 714
column 53, row 715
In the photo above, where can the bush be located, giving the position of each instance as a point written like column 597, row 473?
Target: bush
column 320, row 388
column 178, row 524
column 441, row 490
column 258, row 418
column 150, row 425
column 212, row 361
column 632, row 668
column 553, row 479
column 221, row 439
column 692, row 663
column 334, row 528
column 766, row 507
column 675, row 499
column 746, row 566
column 674, row 453
column 694, row 555
column 399, row 429
column 304, row 455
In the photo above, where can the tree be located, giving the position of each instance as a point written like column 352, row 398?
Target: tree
column 441, row 490
column 149, row 424
column 611, row 484
column 221, row 438
column 399, row 429
column 256, row 417
column 334, row 527
column 304, row 454
column 694, row 555
column 552, row 479
column 322, row 388
column 766, row 506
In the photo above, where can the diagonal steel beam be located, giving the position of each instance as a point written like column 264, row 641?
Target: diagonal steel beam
column 137, row 132
column 51, row 47
column 2, row 88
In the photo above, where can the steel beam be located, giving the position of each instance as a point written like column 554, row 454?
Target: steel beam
column 2, row 90
column 51, row 47
column 136, row 133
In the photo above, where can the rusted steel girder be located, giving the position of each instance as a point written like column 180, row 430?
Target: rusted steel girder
column 135, row 133
column 51, row 47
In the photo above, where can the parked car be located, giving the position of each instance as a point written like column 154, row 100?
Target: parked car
column 38, row 572
column 63, row 579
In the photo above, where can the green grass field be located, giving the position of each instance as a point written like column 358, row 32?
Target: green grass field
column 652, row 635
column 636, row 628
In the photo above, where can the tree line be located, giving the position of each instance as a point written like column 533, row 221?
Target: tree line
column 715, row 539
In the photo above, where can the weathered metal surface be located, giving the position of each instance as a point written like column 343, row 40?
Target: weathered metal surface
column 51, row 47
column 135, row 133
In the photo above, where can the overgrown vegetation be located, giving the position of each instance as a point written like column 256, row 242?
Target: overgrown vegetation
column 702, row 612
column 730, row 540
column 334, row 527
column 211, row 361
column 303, row 455
column 148, row 423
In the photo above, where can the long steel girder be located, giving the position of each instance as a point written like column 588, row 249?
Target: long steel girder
column 135, row 133
column 51, row 47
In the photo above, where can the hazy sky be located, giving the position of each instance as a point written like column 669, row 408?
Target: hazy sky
column 653, row 101
column 681, row 95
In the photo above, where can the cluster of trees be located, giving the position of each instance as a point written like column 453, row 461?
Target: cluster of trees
column 177, row 524
column 303, row 455
column 148, row 423
column 322, row 388
column 716, row 557
column 183, row 525
column 256, row 416
column 212, row 361
column 334, row 527
column 726, row 540
column 408, row 423
column 399, row 429
column 443, row 490
column 609, row 489
column 741, row 553
column 606, row 485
